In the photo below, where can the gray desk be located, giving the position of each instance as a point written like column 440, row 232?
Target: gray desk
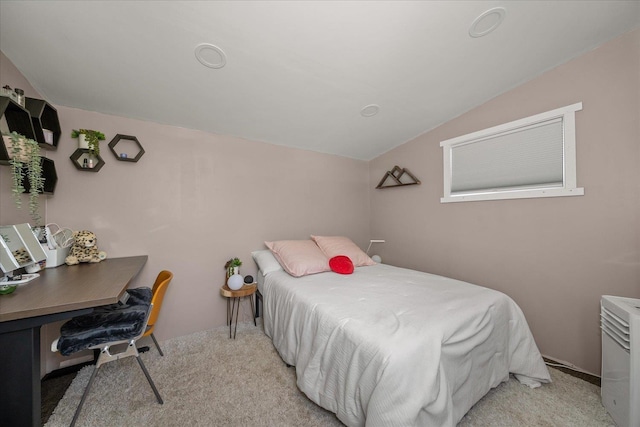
column 59, row 293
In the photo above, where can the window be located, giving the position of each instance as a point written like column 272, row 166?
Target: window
column 527, row 158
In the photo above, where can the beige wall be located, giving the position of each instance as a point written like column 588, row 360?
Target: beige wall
column 554, row 256
column 193, row 201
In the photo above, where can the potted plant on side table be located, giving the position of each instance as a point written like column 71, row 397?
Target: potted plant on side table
column 234, row 279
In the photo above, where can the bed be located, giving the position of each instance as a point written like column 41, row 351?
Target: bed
column 392, row 346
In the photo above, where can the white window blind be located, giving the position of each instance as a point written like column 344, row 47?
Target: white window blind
column 531, row 157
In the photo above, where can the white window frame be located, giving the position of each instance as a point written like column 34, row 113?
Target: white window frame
column 569, row 187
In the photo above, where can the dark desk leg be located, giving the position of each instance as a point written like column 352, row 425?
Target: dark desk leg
column 20, row 378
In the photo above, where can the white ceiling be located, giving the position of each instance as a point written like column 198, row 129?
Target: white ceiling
column 297, row 73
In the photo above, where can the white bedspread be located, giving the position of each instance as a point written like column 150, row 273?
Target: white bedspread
column 397, row 347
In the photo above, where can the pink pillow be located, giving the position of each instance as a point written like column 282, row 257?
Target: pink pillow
column 341, row 264
column 299, row 257
column 338, row 245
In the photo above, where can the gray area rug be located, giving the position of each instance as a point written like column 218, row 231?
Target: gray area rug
column 206, row 379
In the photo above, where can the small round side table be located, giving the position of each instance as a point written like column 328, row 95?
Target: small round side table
column 233, row 303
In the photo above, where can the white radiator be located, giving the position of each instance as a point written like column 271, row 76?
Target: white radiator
column 620, row 324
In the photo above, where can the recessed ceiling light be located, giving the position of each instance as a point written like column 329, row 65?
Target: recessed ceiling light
column 487, row 22
column 210, row 55
column 370, row 110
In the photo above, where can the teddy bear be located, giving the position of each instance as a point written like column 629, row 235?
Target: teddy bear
column 84, row 248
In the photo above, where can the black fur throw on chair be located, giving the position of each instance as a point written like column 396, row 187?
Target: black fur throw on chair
column 106, row 324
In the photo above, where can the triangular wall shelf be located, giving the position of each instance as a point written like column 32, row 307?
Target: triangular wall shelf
column 399, row 176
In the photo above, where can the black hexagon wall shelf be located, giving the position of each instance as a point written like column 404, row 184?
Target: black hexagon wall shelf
column 48, row 173
column 129, row 152
column 82, row 157
column 44, row 116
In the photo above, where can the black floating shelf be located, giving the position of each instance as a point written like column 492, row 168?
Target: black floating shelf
column 80, row 155
column 44, row 116
column 396, row 174
column 48, row 173
column 139, row 151
column 18, row 120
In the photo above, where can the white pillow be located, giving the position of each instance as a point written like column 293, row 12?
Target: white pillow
column 266, row 262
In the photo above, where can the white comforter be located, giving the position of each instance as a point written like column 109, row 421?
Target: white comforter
column 397, row 347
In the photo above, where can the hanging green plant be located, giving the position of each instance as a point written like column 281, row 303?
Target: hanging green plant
column 18, row 153
column 36, row 180
column 26, row 160
column 93, row 138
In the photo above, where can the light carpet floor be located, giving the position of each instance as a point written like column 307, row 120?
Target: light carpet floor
column 206, row 379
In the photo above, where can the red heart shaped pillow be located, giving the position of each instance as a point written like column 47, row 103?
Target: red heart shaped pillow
column 341, row 264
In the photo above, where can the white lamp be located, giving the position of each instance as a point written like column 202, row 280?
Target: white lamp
column 376, row 258
column 235, row 282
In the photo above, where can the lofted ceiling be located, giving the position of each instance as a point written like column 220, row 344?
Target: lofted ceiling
column 298, row 73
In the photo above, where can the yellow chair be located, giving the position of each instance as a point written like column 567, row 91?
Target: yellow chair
column 159, row 289
column 105, row 329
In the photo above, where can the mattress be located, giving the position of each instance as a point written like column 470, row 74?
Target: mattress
column 392, row 346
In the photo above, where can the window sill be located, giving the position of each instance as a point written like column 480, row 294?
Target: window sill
column 515, row 194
